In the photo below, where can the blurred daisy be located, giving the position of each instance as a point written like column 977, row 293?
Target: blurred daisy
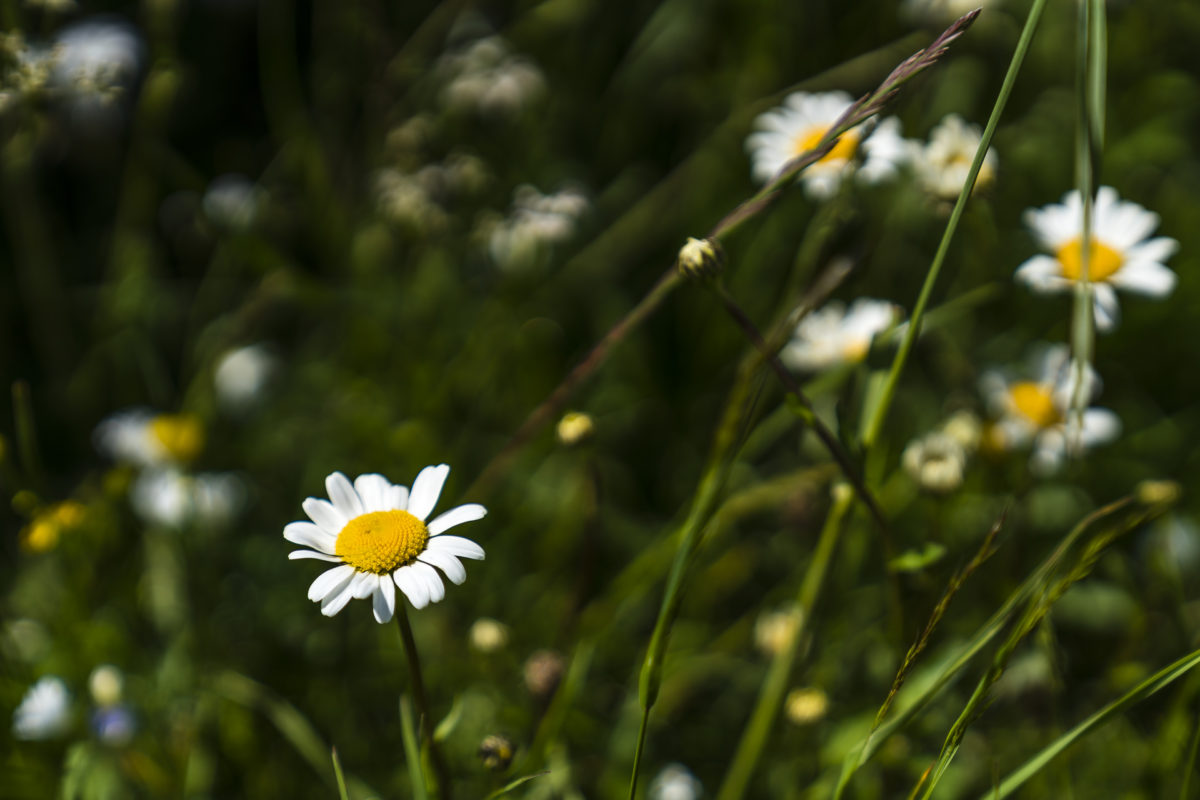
column 537, row 222
column 676, row 782
column 145, row 439
column 799, row 125
column 1121, row 254
column 94, row 62
column 487, row 78
column 172, row 498
column 376, row 532
column 1036, row 411
column 241, row 375
column 44, row 712
column 936, row 462
column 943, row 163
column 833, row 335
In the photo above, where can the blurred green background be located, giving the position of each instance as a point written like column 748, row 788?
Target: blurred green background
column 337, row 185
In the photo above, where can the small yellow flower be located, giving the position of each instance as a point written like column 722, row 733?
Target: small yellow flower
column 574, row 427
column 48, row 525
column 806, row 706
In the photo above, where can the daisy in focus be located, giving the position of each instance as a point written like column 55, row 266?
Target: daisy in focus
column 376, row 532
column 943, row 163
column 833, row 335
column 1037, row 411
column 799, row 125
column 1121, row 254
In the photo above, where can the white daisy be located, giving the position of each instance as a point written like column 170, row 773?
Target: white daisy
column 242, row 375
column 942, row 164
column 173, row 498
column 832, row 335
column 1037, row 411
column 1121, row 255
column 45, row 711
column 376, row 532
column 799, row 125
column 676, row 782
column 146, row 439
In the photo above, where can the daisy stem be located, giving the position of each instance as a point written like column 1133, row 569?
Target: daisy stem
column 418, row 689
column 879, row 413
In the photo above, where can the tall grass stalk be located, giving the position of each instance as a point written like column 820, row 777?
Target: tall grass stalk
column 442, row 773
column 770, row 698
column 879, row 413
column 412, row 750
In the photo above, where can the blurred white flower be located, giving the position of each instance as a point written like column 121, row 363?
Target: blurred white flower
column 943, row 163
column 805, row 706
column 408, row 200
column 45, row 711
column 94, row 62
column 834, row 335
column 936, row 462
column 966, row 429
column 487, row 78
column 242, row 374
column 376, row 532
column 798, row 126
column 537, row 222
column 173, row 498
column 774, row 630
column 1036, row 411
column 1121, row 256
column 232, row 202
column 676, row 782
column 146, row 439
column 488, row 635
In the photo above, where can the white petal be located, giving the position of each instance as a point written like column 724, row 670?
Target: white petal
column 413, row 586
column 426, row 490
column 324, row 514
column 373, row 490
column 1146, row 277
column 433, row 581
column 447, row 562
column 335, row 602
column 329, row 581
column 456, row 546
column 1099, row 426
column 344, row 498
column 364, row 585
column 309, row 535
column 1042, row 274
column 456, row 516
column 1159, row 250
column 397, row 498
column 1108, row 312
column 297, row 554
column 383, row 602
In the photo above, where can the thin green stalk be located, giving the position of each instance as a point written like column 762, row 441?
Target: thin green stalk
column 412, row 751
column 879, row 413
column 337, row 773
column 418, row 687
column 1190, row 767
column 1151, row 685
column 770, row 698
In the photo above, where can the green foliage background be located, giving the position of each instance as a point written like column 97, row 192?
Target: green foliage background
column 402, row 344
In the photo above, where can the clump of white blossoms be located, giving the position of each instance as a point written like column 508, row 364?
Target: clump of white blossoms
column 487, row 78
column 537, row 222
column 799, row 125
column 1037, row 411
column 376, row 532
column 936, row 462
column 172, row 498
column 834, row 335
column 676, row 782
column 44, row 712
column 242, row 375
column 94, row 62
column 232, row 202
column 1121, row 256
column 943, row 162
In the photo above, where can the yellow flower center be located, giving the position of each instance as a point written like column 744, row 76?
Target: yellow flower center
column 842, row 151
column 1103, row 260
column 381, row 541
column 181, row 435
column 1034, row 402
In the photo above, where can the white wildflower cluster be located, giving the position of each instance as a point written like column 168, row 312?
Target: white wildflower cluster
column 937, row 461
column 486, row 78
column 676, row 782
column 416, row 200
column 165, row 491
column 233, row 202
column 834, row 335
column 942, row 163
column 524, row 239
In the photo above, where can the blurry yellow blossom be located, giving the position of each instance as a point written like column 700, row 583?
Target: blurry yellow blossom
column 43, row 532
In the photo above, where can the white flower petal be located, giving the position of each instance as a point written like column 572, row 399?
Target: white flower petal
column 1099, row 426
column 447, row 562
column 1147, row 277
column 383, row 602
column 1043, row 274
column 298, row 554
column 413, row 585
column 456, row 516
column 456, row 546
column 1108, row 311
column 364, row 585
column 373, row 490
column 336, row 601
column 1158, row 250
column 433, row 581
column 309, row 535
column 426, row 490
column 343, row 496
column 324, row 514
column 397, row 498
column 330, row 581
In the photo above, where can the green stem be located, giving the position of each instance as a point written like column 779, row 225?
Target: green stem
column 770, row 698
column 418, row 687
column 879, row 413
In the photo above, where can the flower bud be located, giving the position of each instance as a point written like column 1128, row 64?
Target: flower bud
column 701, row 258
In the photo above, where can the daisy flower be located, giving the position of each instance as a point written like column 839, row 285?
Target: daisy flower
column 145, row 439
column 376, row 532
column 799, row 125
column 1121, row 256
column 1037, row 411
column 833, row 335
column 942, row 164
column 45, row 711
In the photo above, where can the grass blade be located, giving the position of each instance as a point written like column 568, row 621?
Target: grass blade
column 337, row 772
column 412, row 753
